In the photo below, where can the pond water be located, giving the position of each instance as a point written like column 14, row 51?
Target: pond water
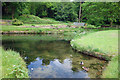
column 51, row 56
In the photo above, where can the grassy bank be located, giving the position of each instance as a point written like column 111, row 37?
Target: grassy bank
column 13, row 66
column 100, row 44
column 0, row 63
column 112, row 70
column 7, row 29
column 26, row 30
column 38, row 37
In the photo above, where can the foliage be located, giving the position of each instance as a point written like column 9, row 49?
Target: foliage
column 95, row 13
column 89, row 26
column 65, row 11
column 17, row 22
column 58, row 11
column 18, row 71
column 13, row 66
column 31, row 19
column 99, row 13
column 15, row 8
column 44, row 9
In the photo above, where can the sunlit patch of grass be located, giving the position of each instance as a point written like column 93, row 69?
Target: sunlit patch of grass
column 13, row 66
column 105, row 41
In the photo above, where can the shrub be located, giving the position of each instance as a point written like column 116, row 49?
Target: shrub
column 69, row 25
column 31, row 19
column 89, row 26
column 33, row 25
column 17, row 22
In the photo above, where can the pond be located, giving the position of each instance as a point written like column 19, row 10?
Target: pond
column 51, row 56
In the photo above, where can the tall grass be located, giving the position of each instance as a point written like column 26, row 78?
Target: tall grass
column 13, row 66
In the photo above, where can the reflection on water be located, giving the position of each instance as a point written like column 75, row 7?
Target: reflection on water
column 52, row 58
column 55, row 69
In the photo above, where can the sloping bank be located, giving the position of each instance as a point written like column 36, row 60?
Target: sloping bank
column 13, row 66
column 102, row 44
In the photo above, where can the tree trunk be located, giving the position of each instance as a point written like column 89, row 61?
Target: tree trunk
column 13, row 13
column 80, row 13
column 111, row 24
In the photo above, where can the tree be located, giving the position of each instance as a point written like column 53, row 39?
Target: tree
column 100, row 13
column 80, row 13
column 113, row 12
column 65, row 11
column 15, row 8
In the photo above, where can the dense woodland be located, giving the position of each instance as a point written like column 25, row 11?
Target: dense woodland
column 95, row 13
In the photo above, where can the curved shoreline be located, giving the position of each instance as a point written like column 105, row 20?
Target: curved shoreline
column 101, row 55
column 95, row 54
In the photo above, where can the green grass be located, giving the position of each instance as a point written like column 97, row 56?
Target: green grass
column 112, row 70
column 104, row 42
column 17, row 28
column 8, row 28
column 37, row 20
column 13, row 66
column 0, row 63
column 45, row 24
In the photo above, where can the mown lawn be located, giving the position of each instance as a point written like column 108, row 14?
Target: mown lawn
column 13, row 66
column 105, row 42
column 112, row 70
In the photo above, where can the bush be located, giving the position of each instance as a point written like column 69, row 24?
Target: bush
column 90, row 26
column 31, row 19
column 69, row 25
column 17, row 22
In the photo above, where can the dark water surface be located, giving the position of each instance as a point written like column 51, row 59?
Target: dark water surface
column 51, row 56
